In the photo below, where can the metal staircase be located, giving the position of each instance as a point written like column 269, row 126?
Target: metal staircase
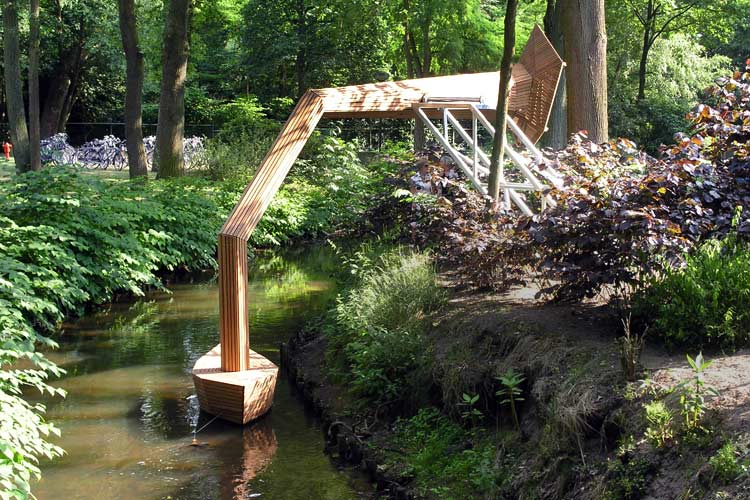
column 520, row 177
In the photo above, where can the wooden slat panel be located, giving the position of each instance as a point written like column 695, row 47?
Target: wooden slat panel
column 233, row 326
column 236, row 396
column 274, row 167
column 542, row 62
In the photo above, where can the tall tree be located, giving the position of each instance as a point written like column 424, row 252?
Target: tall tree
column 133, row 89
column 586, row 57
column 19, row 134
column 170, row 129
column 660, row 17
column 73, row 24
column 501, row 117
column 557, row 133
column 446, row 36
column 34, row 128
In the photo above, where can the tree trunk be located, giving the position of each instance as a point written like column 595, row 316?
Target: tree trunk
column 70, row 100
column 556, row 136
column 35, row 153
column 137, row 166
column 54, row 104
column 644, row 51
column 427, row 48
column 300, row 61
column 407, row 53
column 170, row 129
column 586, row 58
column 72, row 94
column 62, row 89
column 415, row 57
column 407, row 43
column 19, row 134
column 419, row 134
column 506, row 68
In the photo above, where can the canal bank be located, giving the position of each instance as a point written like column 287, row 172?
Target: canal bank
column 582, row 432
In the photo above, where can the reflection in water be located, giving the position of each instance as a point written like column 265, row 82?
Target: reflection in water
column 125, row 422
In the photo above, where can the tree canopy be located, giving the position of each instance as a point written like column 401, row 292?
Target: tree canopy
column 276, row 50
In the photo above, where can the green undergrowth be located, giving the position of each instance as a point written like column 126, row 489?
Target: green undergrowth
column 706, row 302
column 376, row 331
column 68, row 241
column 444, row 459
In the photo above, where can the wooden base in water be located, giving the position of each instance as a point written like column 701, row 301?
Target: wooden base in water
column 235, row 396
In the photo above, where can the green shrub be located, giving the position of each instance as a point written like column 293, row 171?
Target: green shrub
column 705, row 303
column 395, row 294
column 327, row 190
column 238, row 157
column 693, row 395
column 90, row 238
column 628, row 479
column 386, row 365
column 23, row 430
column 69, row 240
column 679, row 70
column 376, row 332
column 243, row 117
column 725, row 463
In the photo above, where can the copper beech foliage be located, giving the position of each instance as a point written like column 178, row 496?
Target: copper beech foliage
column 621, row 212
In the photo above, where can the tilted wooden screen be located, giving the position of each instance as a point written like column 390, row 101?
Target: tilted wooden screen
column 531, row 98
column 535, row 80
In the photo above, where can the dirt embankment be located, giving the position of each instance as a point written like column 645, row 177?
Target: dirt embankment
column 582, row 427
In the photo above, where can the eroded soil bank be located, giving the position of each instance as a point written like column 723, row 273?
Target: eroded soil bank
column 582, row 427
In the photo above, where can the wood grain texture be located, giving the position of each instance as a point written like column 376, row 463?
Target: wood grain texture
column 274, row 167
column 233, row 326
column 240, row 396
column 531, row 100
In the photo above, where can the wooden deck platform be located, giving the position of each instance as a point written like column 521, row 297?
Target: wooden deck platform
column 239, row 396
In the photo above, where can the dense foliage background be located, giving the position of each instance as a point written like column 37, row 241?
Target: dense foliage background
column 334, row 42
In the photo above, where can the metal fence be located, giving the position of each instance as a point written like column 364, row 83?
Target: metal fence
column 82, row 132
column 371, row 134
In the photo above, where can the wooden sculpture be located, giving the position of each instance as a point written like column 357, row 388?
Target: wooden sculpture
column 233, row 381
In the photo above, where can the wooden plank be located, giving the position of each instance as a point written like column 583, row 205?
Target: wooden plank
column 274, row 167
column 233, row 325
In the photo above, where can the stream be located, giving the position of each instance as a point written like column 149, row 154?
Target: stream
column 125, row 425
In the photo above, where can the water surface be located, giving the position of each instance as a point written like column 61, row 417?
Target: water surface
column 124, row 422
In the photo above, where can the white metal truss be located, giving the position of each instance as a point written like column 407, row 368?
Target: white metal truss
column 476, row 164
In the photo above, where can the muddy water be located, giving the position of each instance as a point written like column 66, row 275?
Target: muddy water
column 124, row 422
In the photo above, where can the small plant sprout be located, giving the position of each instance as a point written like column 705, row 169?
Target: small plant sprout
column 694, row 392
column 511, row 392
column 469, row 411
column 631, row 346
column 659, row 430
